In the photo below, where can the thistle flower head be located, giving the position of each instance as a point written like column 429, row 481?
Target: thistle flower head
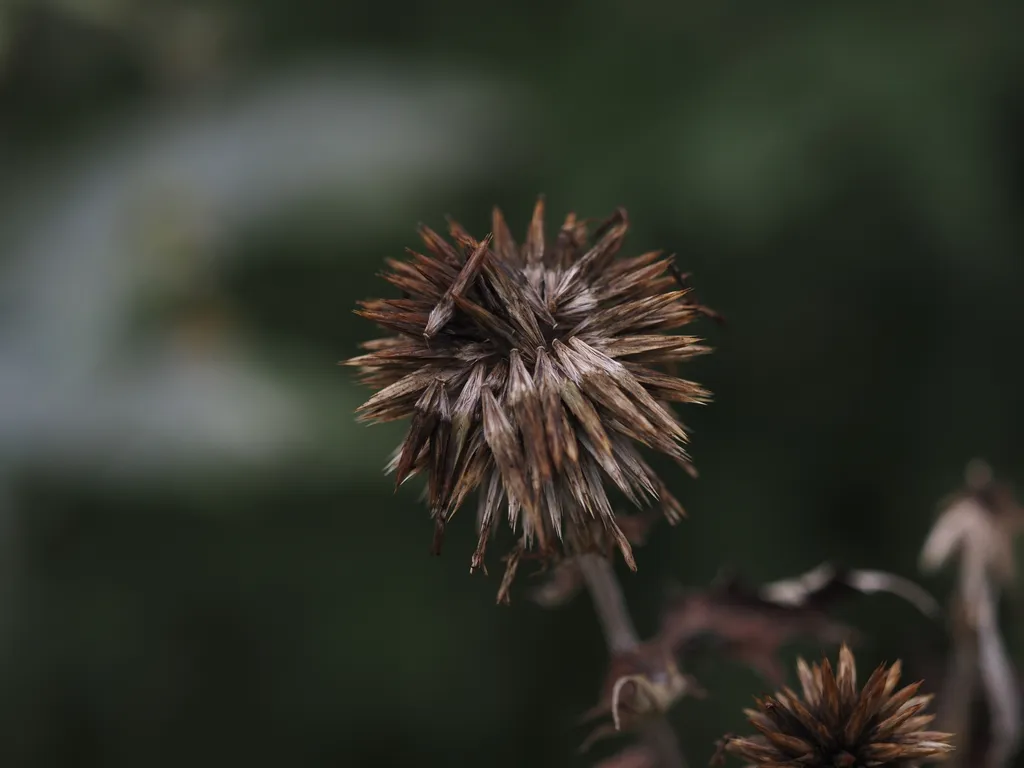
column 835, row 725
column 531, row 373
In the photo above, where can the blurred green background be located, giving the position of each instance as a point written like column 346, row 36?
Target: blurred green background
column 202, row 562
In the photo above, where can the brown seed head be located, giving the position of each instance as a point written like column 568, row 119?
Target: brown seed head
column 835, row 725
column 532, row 372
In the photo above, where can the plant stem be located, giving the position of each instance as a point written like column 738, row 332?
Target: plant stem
column 662, row 739
column 621, row 636
column 610, row 604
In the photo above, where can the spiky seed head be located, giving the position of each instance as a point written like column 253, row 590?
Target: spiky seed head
column 835, row 725
column 531, row 373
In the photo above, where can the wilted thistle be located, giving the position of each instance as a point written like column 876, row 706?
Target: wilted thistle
column 837, row 726
column 531, row 372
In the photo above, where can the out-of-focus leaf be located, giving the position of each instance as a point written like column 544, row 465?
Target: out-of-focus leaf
column 82, row 263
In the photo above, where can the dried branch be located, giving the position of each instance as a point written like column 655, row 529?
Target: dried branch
column 979, row 523
column 610, row 604
column 622, row 639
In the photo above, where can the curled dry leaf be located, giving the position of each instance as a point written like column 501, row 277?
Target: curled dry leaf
column 752, row 625
column 743, row 626
column 824, row 585
column 640, row 683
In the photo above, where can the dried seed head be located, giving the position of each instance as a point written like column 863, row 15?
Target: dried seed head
column 835, row 725
column 531, row 373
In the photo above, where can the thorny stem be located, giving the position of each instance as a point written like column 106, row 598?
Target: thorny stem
column 621, row 636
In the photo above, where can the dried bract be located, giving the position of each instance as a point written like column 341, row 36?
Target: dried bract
column 532, row 373
column 835, row 725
